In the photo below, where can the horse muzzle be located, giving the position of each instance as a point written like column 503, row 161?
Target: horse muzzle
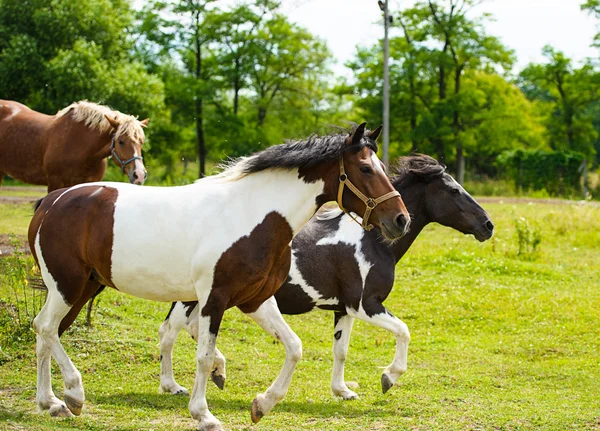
column 395, row 227
column 138, row 174
column 485, row 231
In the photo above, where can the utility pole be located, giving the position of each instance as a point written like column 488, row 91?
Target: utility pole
column 383, row 5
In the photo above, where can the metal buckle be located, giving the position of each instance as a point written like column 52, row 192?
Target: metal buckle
column 371, row 203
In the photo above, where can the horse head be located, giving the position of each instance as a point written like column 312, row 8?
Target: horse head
column 126, row 146
column 365, row 189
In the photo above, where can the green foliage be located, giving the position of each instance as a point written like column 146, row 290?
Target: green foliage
column 22, row 303
column 53, row 53
column 558, row 172
column 528, row 236
column 565, row 94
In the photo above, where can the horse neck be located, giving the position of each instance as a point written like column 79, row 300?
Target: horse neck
column 280, row 190
column 413, row 195
column 97, row 143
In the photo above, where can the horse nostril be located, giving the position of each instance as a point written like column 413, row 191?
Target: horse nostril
column 135, row 176
column 401, row 221
column 145, row 174
column 489, row 225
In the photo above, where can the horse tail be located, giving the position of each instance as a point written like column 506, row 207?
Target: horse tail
column 37, row 204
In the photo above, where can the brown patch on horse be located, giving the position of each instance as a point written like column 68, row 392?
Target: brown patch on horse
column 253, row 268
column 82, row 240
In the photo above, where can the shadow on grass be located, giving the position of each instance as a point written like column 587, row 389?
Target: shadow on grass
column 313, row 409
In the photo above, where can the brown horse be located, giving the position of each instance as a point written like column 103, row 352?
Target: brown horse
column 70, row 147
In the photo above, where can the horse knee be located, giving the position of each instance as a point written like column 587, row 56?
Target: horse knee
column 294, row 348
column 403, row 334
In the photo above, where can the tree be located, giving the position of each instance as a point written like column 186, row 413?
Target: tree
column 440, row 45
column 187, row 37
column 53, row 53
column 567, row 93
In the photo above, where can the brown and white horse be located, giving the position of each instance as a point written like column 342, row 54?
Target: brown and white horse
column 223, row 241
column 70, row 147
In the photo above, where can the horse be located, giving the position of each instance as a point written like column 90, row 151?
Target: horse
column 337, row 266
column 223, row 241
column 70, row 147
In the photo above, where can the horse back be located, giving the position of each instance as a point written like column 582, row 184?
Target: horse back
column 22, row 142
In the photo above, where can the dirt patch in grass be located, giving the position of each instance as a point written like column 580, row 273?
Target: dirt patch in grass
column 11, row 243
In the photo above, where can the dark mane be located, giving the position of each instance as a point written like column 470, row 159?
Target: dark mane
column 304, row 153
column 421, row 166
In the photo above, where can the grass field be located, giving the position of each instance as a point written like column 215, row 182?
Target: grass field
column 500, row 341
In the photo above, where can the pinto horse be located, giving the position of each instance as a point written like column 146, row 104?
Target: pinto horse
column 338, row 266
column 222, row 241
column 70, row 147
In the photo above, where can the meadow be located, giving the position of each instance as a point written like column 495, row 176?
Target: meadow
column 505, row 336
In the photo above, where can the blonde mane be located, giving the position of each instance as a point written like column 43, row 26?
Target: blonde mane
column 94, row 117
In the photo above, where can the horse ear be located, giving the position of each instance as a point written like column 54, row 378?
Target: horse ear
column 113, row 121
column 375, row 133
column 358, row 134
column 144, row 123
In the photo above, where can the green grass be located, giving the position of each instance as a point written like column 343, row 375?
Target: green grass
column 499, row 342
column 14, row 218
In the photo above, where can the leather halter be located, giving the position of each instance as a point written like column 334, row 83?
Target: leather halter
column 115, row 156
column 370, row 203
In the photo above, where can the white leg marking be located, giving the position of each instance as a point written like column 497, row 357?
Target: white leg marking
column 46, row 326
column 269, row 318
column 167, row 334
column 397, row 327
column 205, row 357
column 340, row 350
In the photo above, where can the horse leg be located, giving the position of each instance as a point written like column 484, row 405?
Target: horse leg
column 341, row 339
column 1, row 177
column 374, row 312
column 270, row 319
column 90, row 290
column 211, row 310
column 47, row 324
column 218, row 374
column 167, row 334
column 88, row 316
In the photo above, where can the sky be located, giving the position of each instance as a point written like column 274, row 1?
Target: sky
column 523, row 25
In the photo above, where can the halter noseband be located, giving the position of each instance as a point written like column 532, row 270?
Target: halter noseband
column 115, row 156
column 370, row 203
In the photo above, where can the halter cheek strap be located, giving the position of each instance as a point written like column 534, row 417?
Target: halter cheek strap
column 370, row 203
column 115, row 156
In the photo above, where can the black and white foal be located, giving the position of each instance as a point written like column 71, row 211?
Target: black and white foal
column 338, row 266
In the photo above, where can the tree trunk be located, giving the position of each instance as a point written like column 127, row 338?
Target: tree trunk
column 413, row 105
column 236, row 87
column 460, row 161
column 262, row 114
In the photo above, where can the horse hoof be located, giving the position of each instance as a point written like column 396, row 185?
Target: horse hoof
column 349, row 397
column 74, row 405
column 386, row 383
column 257, row 413
column 182, row 392
column 210, row 427
column 60, row 411
column 218, row 380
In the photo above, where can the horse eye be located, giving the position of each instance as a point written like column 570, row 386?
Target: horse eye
column 365, row 169
column 121, row 143
column 455, row 191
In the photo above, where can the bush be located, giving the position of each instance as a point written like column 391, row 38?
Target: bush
column 557, row 172
column 529, row 237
